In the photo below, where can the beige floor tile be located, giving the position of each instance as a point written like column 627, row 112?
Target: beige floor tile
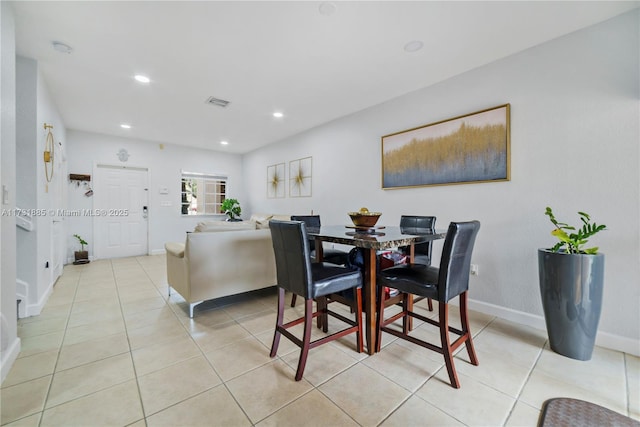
column 165, row 330
column 93, row 331
column 143, row 304
column 238, row 358
column 109, row 314
column 604, row 373
column 41, row 343
column 416, row 412
column 265, row 390
column 213, row 407
column 31, row 367
column 175, row 383
column 116, row 406
column 23, row 399
column 132, row 295
column 246, row 307
column 92, row 377
column 204, row 319
column 93, row 350
column 44, row 326
column 409, row 368
column 30, row 421
column 211, row 337
column 508, row 378
column 541, row 387
column 473, row 403
column 155, row 357
column 523, row 415
column 259, row 322
column 366, row 405
column 323, row 363
column 519, row 350
column 139, row 319
column 312, row 409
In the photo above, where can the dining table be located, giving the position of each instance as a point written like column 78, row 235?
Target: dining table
column 372, row 240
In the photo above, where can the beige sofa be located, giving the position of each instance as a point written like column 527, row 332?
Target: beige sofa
column 221, row 258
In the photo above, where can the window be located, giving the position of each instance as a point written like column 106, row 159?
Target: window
column 202, row 194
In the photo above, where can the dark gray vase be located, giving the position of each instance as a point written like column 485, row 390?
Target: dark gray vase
column 571, row 290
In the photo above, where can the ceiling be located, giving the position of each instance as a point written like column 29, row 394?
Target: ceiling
column 313, row 61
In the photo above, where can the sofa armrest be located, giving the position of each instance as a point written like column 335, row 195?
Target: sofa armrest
column 175, row 249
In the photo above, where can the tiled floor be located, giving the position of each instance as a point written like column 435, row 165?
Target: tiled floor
column 110, row 349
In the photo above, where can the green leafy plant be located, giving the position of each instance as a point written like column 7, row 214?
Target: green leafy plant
column 572, row 239
column 231, row 207
column 81, row 241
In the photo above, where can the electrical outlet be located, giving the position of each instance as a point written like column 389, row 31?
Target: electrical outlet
column 474, row 269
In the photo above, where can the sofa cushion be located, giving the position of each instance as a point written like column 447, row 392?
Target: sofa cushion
column 261, row 220
column 281, row 217
column 207, row 226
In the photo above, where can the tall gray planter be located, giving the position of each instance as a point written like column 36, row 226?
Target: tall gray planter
column 571, row 291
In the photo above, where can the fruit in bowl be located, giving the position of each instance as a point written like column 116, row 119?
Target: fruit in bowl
column 364, row 218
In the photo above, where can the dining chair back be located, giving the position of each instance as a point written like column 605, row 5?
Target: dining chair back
column 442, row 284
column 334, row 256
column 297, row 274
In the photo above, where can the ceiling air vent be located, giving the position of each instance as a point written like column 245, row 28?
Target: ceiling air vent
column 219, row 102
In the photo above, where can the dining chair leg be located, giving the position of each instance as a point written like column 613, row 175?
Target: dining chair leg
column 429, row 303
column 407, row 324
column 279, row 319
column 293, row 300
column 464, row 317
column 443, row 320
column 306, row 338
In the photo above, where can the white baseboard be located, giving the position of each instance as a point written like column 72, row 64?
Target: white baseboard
column 36, row 309
column 8, row 357
column 157, row 252
column 603, row 339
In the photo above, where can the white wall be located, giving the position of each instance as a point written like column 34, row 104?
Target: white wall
column 165, row 165
column 37, row 249
column 574, row 146
column 9, row 341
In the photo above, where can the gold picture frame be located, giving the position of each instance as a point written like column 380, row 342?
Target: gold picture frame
column 275, row 181
column 472, row 148
column 300, row 177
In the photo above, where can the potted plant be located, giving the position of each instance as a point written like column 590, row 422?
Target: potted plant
column 232, row 208
column 81, row 256
column 571, row 282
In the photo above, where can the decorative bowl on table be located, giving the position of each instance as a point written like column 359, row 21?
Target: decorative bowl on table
column 364, row 218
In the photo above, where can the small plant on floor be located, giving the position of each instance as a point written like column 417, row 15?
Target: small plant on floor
column 81, row 256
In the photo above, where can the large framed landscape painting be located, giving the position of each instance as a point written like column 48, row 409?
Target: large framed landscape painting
column 466, row 149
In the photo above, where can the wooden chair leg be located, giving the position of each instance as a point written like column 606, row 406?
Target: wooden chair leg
column 306, row 339
column 429, row 303
column 446, row 344
column 293, row 300
column 279, row 319
column 465, row 329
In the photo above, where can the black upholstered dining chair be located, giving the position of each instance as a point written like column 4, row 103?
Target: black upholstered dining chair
column 296, row 273
column 442, row 284
column 334, row 256
column 413, row 224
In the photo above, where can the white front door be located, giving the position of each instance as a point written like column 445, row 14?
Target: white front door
column 120, row 209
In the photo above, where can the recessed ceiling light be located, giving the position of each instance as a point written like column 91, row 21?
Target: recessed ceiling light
column 125, row 126
column 327, row 8
column 224, row 142
column 413, row 46
column 141, row 78
column 278, row 114
column 61, row 47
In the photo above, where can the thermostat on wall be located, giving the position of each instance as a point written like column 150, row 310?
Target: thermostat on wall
column 163, row 190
